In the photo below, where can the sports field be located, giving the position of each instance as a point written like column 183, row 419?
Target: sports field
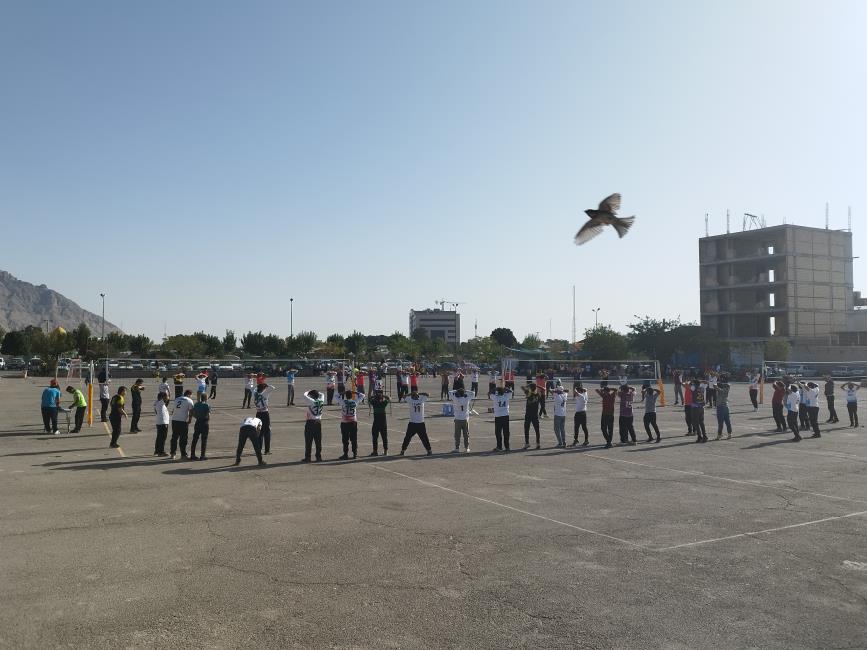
column 751, row 542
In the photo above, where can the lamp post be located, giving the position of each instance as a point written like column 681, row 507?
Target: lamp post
column 291, row 317
column 596, row 317
column 104, row 345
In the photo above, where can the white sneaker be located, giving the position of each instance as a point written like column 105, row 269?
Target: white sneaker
column 174, row 456
column 57, row 433
column 467, row 450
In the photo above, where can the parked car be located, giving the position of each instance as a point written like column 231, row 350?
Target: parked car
column 2, row 363
column 17, row 363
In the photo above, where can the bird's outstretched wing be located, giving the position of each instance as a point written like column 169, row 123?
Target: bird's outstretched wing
column 588, row 231
column 623, row 225
column 610, row 204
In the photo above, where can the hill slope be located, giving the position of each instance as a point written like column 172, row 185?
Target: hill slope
column 23, row 304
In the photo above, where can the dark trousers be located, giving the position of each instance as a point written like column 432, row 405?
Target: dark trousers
column 813, row 415
column 49, row 418
column 162, row 434
column 200, row 430
column 779, row 418
column 265, row 435
column 710, row 393
column 115, row 419
column 678, row 394
column 341, row 388
column 474, row 386
column 103, row 409
column 803, row 416
column 290, row 395
column 444, row 391
column 136, row 415
column 687, row 416
column 248, row 433
column 329, row 393
column 852, row 408
column 832, row 412
column 650, row 421
column 213, row 393
column 413, row 429
column 248, row 395
column 492, row 388
column 606, row 423
column 697, row 417
column 754, row 397
column 79, row 418
column 349, row 436
column 792, row 421
column 313, row 434
column 723, row 417
column 531, row 419
column 542, row 409
column 179, row 390
column 180, row 431
column 626, row 428
column 501, row 431
column 379, row 428
column 581, row 423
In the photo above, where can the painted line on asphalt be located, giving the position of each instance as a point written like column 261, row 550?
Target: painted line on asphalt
column 763, row 532
column 508, row 507
column 723, row 478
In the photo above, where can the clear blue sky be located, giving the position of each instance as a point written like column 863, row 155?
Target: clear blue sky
column 201, row 162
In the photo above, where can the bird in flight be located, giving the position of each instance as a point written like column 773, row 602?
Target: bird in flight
column 605, row 215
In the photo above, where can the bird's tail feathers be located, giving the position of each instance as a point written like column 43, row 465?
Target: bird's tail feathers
column 622, row 225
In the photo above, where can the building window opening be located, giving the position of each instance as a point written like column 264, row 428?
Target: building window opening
column 772, row 299
column 772, row 325
column 771, row 275
column 770, row 249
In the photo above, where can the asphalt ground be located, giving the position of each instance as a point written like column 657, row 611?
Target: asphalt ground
column 753, row 542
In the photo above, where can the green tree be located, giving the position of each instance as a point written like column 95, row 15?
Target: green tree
column 305, row 341
column 81, row 339
column 531, row 342
column 602, row 342
column 253, row 343
column 185, row 346
column 275, row 346
column 16, row 343
column 211, row 345
column 653, row 337
column 482, row 349
column 355, row 344
column 230, row 343
column 140, row 345
column 505, row 337
column 704, row 342
column 420, row 334
column 334, row 346
column 777, row 349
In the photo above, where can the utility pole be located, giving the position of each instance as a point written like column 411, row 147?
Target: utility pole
column 291, row 317
column 573, row 314
column 596, row 317
column 104, row 342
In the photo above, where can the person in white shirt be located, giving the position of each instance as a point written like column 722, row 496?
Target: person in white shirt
column 560, row 398
column 403, row 387
column 349, row 422
column 249, row 430
column 580, row 395
column 313, row 424
column 754, row 391
column 249, row 386
column 462, row 401
column 290, row 387
column 474, row 381
column 501, row 417
column 260, row 399
column 330, row 379
column 852, row 389
column 181, row 417
column 161, row 410
column 104, row 398
column 793, row 403
column 416, row 425
column 710, row 392
column 810, row 395
column 164, row 387
column 201, row 384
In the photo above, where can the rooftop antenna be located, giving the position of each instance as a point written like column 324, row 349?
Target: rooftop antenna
column 850, row 218
column 476, row 328
column 753, row 221
column 826, row 215
column 573, row 313
column 728, row 222
column 706, row 231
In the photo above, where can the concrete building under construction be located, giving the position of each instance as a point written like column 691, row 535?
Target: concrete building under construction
column 790, row 281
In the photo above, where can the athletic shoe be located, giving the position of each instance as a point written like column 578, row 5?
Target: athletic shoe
column 497, row 449
column 385, row 452
column 649, row 438
column 729, row 437
column 203, row 458
column 631, row 442
column 343, row 457
column 237, row 461
column 718, row 436
column 456, row 450
column 267, row 453
column 402, row 451
column 318, row 459
column 467, row 450
column 262, row 463
column 193, row 457
column 114, row 445
column 373, row 453
column 657, row 439
column 538, row 446
column 607, row 445
column 184, row 457
column 816, row 435
column 161, row 454
column 429, row 452
column 525, row 447
column 354, row 456
column 56, row 433
column 174, row 456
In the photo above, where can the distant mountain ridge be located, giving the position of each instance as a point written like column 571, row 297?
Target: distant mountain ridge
column 23, row 304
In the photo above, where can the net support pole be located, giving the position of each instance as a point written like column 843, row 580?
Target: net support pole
column 90, row 397
column 762, row 375
column 659, row 384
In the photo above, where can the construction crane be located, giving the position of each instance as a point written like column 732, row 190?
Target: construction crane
column 454, row 303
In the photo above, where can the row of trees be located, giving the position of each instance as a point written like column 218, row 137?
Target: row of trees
column 665, row 340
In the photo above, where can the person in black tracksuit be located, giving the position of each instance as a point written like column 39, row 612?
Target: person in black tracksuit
column 829, row 399
column 531, row 414
column 136, row 390
column 214, row 378
column 379, row 403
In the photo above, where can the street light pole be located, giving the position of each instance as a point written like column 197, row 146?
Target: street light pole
column 291, row 317
column 596, row 317
column 104, row 344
